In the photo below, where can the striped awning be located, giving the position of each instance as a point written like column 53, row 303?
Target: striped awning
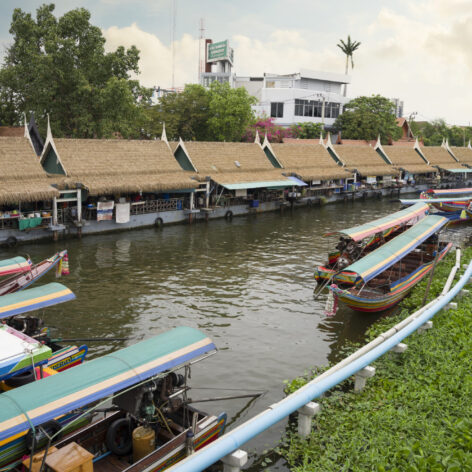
column 391, row 252
column 14, row 265
column 357, row 233
column 34, row 299
column 38, row 402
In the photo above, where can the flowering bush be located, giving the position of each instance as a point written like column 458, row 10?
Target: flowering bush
column 275, row 133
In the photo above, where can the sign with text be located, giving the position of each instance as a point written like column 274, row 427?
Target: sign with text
column 219, row 52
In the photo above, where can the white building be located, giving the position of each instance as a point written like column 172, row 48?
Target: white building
column 307, row 96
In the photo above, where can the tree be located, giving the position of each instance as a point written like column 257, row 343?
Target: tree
column 367, row 118
column 230, row 112
column 59, row 66
column 186, row 114
column 348, row 49
column 308, row 130
column 432, row 133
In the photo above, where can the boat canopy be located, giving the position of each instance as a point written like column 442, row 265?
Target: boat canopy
column 432, row 201
column 386, row 255
column 357, row 233
column 14, row 265
column 34, row 299
column 38, row 402
column 450, row 191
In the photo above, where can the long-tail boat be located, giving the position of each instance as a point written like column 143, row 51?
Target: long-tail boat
column 17, row 322
column 358, row 241
column 23, row 273
column 134, row 392
column 461, row 197
column 386, row 275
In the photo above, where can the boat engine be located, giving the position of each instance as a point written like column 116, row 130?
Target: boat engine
column 143, row 402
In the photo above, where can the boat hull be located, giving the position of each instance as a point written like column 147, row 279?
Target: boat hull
column 28, row 277
column 385, row 301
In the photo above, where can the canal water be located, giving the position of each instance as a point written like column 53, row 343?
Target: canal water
column 247, row 283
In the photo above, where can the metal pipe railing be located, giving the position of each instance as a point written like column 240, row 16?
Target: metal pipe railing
column 278, row 411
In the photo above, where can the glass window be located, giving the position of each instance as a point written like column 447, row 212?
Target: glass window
column 298, row 107
column 277, row 109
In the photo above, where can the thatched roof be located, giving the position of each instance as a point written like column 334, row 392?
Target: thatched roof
column 364, row 159
column 108, row 166
column 309, row 161
column 439, row 156
column 22, row 179
column 406, row 158
column 463, row 154
column 219, row 160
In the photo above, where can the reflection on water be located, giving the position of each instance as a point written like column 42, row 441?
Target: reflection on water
column 247, row 283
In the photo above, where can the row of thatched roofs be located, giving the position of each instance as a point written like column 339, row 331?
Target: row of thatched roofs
column 105, row 167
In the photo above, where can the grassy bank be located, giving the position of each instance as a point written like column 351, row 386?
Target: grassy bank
column 414, row 415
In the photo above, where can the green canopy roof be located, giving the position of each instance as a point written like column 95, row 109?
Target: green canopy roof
column 34, row 299
column 373, row 227
column 262, row 184
column 385, row 256
column 59, row 394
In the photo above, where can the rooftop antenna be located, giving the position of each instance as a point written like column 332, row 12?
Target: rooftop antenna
column 172, row 41
column 200, row 40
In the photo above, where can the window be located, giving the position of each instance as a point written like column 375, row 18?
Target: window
column 315, row 109
column 277, row 109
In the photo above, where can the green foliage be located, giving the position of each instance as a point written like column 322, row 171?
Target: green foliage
column 348, row 48
column 185, row 114
column 59, row 66
column 367, row 118
column 219, row 113
column 432, row 133
column 414, row 414
column 307, row 130
column 230, row 112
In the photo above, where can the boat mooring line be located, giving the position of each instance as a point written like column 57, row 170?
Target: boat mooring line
column 357, row 363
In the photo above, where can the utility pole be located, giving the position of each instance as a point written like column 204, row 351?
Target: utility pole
column 200, row 40
column 172, row 41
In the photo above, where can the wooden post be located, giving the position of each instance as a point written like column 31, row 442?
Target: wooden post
column 54, row 218
column 79, row 212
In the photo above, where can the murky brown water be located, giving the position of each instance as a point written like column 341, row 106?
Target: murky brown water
column 247, row 283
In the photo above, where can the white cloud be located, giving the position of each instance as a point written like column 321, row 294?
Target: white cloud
column 417, row 51
column 155, row 57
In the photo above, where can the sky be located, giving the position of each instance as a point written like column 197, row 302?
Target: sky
column 415, row 50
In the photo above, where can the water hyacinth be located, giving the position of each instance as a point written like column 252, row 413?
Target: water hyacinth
column 415, row 414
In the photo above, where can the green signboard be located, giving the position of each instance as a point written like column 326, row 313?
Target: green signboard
column 218, row 51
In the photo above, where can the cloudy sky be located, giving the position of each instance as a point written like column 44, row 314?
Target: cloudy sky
column 417, row 50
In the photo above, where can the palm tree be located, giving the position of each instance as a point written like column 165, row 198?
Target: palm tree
column 348, row 48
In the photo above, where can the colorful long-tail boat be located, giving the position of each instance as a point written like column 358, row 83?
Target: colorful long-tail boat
column 23, row 273
column 142, row 388
column 461, row 197
column 30, row 332
column 386, row 275
column 359, row 240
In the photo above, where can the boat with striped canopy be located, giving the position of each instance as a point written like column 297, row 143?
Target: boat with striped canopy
column 30, row 273
column 359, row 240
column 35, row 298
column 386, row 275
column 14, row 265
column 15, row 311
column 141, row 382
column 450, row 205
